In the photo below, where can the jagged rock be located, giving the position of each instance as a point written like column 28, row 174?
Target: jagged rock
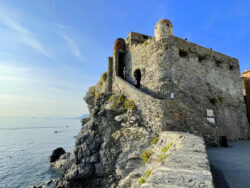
column 38, row 186
column 109, row 147
column 56, row 154
column 84, row 120
column 61, row 163
column 49, row 182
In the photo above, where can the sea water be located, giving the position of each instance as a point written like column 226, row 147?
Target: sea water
column 26, row 143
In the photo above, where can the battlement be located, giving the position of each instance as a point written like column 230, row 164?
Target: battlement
column 137, row 38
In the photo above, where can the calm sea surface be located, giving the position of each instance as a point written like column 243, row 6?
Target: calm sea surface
column 25, row 145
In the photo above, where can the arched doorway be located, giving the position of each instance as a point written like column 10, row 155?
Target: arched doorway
column 121, row 65
column 137, row 78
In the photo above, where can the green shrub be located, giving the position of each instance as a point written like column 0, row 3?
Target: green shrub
column 146, row 155
column 161, row 157
column 145, row 43
column 121, row 98
column 116, row 101
column 148, row 173
column 97, row 95
column 111, row 98
column 141, row 180
column 166, row 148
column 104, row 76
column 155, row 140
column 129, row 104
column 222, row 99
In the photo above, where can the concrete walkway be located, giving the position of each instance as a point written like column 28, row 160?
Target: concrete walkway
column 231, row 166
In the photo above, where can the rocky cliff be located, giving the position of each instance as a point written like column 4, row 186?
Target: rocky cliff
column 116, row 149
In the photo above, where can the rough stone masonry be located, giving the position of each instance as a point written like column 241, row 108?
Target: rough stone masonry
column 184, row 86
column 140, row 136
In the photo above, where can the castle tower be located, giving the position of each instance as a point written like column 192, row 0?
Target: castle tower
column 163, row 29
column 119, row 44
column 119, row 55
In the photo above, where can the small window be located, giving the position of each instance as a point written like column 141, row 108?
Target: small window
column 183, row 53
column 145, row 37
column 231, row 67
column 168, row 24
column 201, row 58
column 218, row 63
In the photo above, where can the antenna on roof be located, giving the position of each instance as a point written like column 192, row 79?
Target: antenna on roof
column 139, row 28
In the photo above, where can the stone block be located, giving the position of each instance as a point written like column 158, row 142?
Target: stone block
column 210, row 113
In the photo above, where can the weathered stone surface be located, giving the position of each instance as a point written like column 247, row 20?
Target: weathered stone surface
column 107, row 154
column 163, row 29
column 184, row 164
column 56, row 154
column 127, row 140
column 198, row 78
column 61, row 163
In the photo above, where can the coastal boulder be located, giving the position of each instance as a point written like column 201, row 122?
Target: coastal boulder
column 56, row 154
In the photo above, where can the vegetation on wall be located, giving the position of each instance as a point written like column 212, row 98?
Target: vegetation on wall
column 141, row 180
column 166, row 148
column 103, row 78
column 145, row 155
column 154, row 141
column 129, row 104
column 122, row 100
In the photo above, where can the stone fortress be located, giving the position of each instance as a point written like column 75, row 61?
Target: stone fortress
column 184, row 86
column 149, row 114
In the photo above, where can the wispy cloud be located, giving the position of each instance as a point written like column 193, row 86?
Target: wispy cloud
column 25, row 35
column 61, row 26
column 74, row 48
column 12, row 73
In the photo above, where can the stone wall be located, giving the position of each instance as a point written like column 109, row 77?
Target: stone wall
column 151, row 108
column 109, row 75
column 136, row 38
column 207, row 80
column 177, row 160
column 200, row 79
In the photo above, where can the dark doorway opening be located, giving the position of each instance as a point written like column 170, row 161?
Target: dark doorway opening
column 248, row 109
column 121, row 65
column 137, row 78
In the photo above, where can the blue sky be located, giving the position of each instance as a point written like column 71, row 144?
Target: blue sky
column 51, row 51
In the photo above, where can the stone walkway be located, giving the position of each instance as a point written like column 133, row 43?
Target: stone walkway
column 231, row 166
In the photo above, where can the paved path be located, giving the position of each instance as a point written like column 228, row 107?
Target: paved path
column 231, row 166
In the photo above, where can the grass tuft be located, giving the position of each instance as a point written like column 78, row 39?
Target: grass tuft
column 148, row 173
column 141, row 180
column 129, row 104
column 154, row 141
column 166, row 148
column 145, row 155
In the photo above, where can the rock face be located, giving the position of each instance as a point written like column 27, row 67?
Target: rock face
column 115, row 149
column 56, row 154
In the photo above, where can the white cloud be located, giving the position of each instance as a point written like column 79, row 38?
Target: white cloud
column 11, row 73
column 74, row 48
column 61, row 26
column 26, row 36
